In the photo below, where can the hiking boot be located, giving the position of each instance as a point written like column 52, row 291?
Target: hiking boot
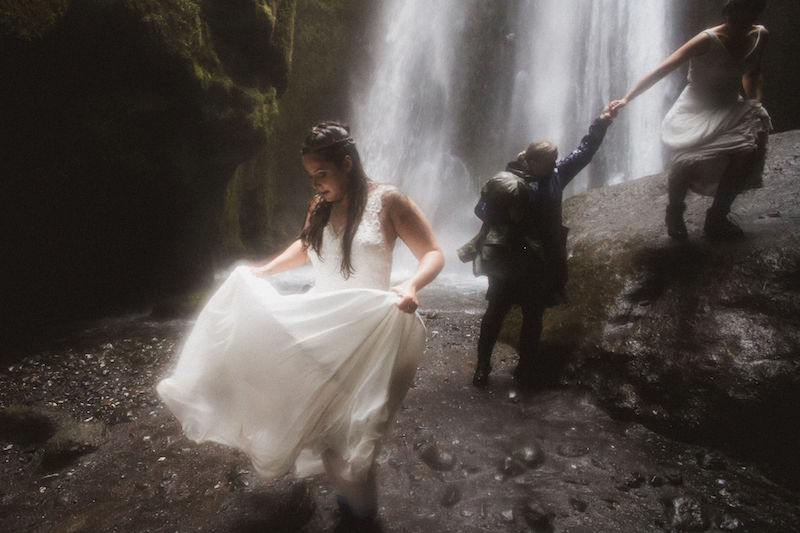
column 719, row 228
column 481, row 377
column 352, row 521
column 676, row 227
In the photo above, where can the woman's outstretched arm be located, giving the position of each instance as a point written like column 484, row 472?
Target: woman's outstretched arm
column 696, row 46
column 413, row 229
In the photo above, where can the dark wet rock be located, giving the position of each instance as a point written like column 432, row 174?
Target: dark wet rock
column 572, row 450
column 189, row 92
column 511, row 467
column 27, row 425
column 711, row 460
column 674, row 478
column 532, row 455
column 450, row 496
column 436, row 456
column 148, row 476
column 686, row 514
column 656, row 480
column 632, row 481
column 61, row 438
column 578, row 505
column 286, row 512
column 695, row 339
column 423, row 438
column 538, row 518
column 730, row 523
column 72, row 440
column 239, row 478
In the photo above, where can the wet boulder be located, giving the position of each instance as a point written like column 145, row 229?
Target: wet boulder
column 697, row 339
column 61, row 438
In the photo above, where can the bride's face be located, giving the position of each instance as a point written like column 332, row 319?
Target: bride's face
column 328, row 179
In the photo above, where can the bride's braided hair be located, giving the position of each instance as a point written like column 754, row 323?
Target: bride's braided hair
column 332, row 141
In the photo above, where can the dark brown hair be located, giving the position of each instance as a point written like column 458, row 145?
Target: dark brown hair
column 333, row 142
column 752, row 7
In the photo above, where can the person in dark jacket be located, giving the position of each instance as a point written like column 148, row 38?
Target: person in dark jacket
column 521, row 247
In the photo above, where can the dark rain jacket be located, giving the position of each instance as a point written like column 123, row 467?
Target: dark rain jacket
column 536, row 247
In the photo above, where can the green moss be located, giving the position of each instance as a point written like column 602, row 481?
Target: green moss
column 591, row 289
column 30, row 19
column 320, row 39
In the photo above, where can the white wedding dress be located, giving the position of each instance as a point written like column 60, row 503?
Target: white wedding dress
column 711, row 120
column 285, row 377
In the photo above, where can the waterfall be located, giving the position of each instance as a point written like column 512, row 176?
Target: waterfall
column 404, row 119
column 574, row 57
column 561, row 62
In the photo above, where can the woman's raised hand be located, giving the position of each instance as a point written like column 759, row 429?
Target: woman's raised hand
column 610, row 111
column 615, row 105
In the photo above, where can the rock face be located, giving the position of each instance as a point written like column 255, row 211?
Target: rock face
column 699, row 340
column 122, row 124
column 61, row 438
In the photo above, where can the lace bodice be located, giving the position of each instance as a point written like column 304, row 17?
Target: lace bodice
column 371, row 254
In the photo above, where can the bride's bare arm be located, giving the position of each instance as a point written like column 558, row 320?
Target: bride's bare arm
column 294, row 256
column 413, row 229
column 697, row 45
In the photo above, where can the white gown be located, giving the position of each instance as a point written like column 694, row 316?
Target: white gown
column 285, row 377
column 711, row 120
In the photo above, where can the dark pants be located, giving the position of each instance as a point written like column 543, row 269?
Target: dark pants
column 502, row 296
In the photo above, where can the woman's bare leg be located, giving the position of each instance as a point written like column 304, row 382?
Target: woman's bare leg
column 677, row 187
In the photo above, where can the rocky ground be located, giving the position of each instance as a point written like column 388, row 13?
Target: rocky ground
column 86, row 446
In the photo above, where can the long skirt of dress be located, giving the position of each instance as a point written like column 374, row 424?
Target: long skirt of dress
column 703, row 136
column 285, row 377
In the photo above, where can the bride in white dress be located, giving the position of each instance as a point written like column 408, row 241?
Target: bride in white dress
column 306, row 383
column 718, row 138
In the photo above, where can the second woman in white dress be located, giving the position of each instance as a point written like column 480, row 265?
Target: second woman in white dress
column 717, row 129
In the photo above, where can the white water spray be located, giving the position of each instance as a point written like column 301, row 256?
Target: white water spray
column 572, row 57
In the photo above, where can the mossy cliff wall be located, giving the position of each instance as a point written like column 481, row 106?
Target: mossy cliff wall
column 122, row 124
column 267, row 198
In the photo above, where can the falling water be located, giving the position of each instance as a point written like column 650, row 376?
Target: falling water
column 405, row 120
column 574, row 57
column 560, row 62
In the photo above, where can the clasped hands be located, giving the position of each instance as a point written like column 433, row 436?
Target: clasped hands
column 612, row 109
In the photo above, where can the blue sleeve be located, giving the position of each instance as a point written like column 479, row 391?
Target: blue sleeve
column 569, row 167
column 480, row 209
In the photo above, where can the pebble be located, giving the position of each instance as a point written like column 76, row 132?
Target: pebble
column 711, row 461
column 510, row 467
column 572, row 450
column 539, row 519
column 685, row 513
column 578, row 505
column 436, row 457
column 530, row 455
column 729, row 523
column 633, row 481
column 451, row 496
